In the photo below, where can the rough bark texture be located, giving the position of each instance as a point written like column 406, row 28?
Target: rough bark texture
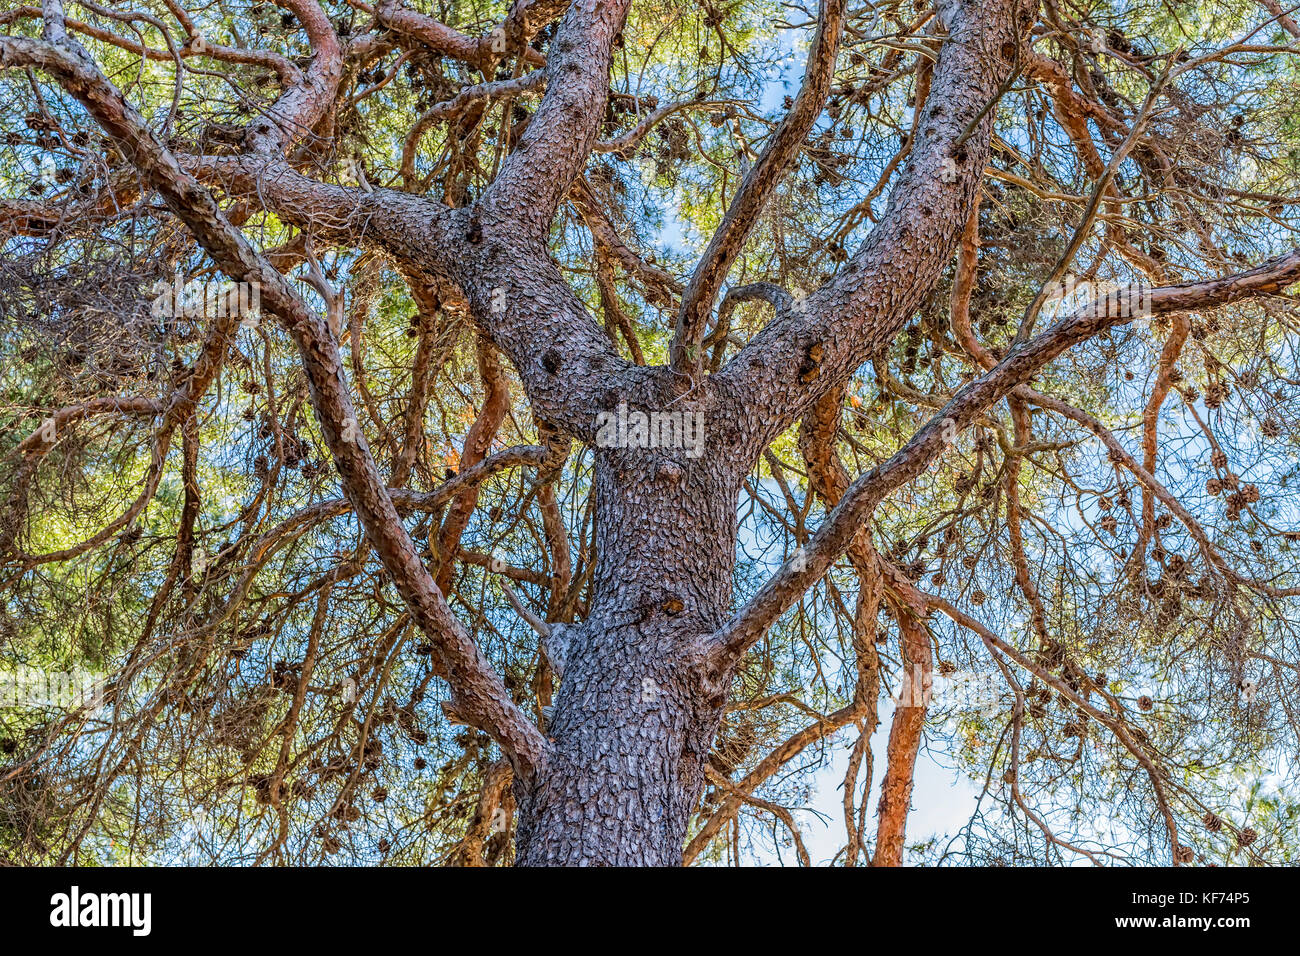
column 634, row 716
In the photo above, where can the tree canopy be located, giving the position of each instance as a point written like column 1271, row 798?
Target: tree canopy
column 1044, row 534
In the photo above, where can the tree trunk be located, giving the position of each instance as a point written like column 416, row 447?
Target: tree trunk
column 634, row 717
column 632, row 730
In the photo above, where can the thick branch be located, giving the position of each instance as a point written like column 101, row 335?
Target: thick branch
column 558, row 140
column 818, row 342
column 478, row 694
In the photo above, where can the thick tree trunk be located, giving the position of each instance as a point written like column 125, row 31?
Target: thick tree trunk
column 631, row 733
column 634, row 717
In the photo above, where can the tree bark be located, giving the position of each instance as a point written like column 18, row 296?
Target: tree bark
column 635, row 714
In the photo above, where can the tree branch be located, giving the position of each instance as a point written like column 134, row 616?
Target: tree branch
column 818, row 342
column 478, row 693
column 552, row 150
column 756, row 188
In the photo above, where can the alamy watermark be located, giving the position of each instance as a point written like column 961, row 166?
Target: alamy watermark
column 961, row 690
column 1073, row 294
column 657, row 429
column 212, row 299
column 34, row 688
column 76, row 909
